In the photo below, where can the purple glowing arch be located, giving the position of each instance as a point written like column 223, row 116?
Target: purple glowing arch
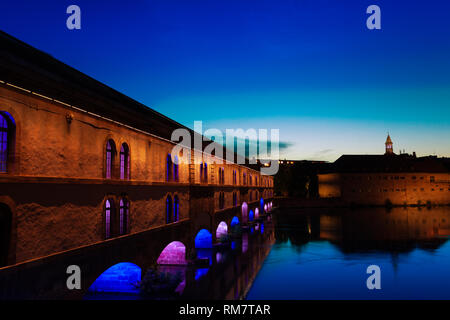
column 222, row 230
column 244, row 212
column 256, row 213
column 173, row 254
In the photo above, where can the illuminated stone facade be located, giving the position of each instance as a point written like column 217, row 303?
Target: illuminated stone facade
column 61, row 175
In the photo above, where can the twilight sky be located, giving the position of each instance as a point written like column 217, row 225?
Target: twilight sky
column 310, row 68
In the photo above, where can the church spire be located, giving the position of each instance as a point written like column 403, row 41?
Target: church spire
column 389, row 144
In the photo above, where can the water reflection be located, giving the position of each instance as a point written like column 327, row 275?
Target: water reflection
column 322, row 254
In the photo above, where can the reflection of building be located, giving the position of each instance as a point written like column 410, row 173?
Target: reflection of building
column 388, row 179
column 399, row 229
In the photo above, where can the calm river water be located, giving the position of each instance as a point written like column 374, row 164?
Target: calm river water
column 324, row 254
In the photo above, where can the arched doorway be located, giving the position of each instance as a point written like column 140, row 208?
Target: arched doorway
column 5, row 233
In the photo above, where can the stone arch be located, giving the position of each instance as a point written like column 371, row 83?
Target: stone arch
column 244, row 212
column 203, row 239
column 173, row 254
column 119, row 278
column 234, row 221
column 222, row 230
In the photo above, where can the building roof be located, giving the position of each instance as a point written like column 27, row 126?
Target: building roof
column 390, row 163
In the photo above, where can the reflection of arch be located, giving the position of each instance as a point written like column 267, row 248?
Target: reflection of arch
column 234, row 221
column 222, row 230
column 121, row 277
column 251, row 215
column 261, row 205
column 5, row 233
column 256, row 213
column 244, row 212
column 203, row 239
column 173, row 254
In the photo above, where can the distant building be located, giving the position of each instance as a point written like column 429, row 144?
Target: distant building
column 401, row 179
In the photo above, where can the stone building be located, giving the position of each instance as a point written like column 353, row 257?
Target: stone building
column 81, row 163
column 401, row 179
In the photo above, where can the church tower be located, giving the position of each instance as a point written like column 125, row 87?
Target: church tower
column 388, row 143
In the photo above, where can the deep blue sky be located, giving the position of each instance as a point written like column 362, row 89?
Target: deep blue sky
column 310, row 68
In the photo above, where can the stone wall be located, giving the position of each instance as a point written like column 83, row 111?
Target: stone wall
column 56, row 187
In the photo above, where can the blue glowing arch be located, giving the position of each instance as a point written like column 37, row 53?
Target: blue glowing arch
column 203, row 240
column 121, row 277
column 234, row 221
column 251, row 215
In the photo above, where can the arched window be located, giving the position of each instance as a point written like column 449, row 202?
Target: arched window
column 169, row 167
column 244, row 178
column 249, row 179
column 7, row 141
column 176, row 209
column 4, row 143
column 203, row 172
column 108, row 215
column 124, row 162
column 169, row 209
column 175, row 170
column 110, row 155
column 234, row 177
column 124, row 208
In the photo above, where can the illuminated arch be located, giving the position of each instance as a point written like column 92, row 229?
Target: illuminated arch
column 173, row 254
column 244, row 209
column 234, row 221
column 256, row 213
column 121, row 277
column 222, row 230
column 251, row 215
column 203, row 239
